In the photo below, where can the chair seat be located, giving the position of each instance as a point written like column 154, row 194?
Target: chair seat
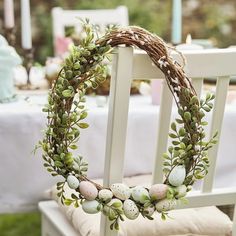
column 195, row 221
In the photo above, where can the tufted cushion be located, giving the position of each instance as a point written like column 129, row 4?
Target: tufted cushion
column 195, row 221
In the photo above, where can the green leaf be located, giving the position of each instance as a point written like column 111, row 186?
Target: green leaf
column 117, row 204
column 83, row 125
column 187, row 116
column 173, row 135
column 58, row 164
column 67, row 93
column 73, row 146
column 83, row 115
column 68, row 202
column 182, row 132
column 173, row 126
column 179, row 121
column 163, row 217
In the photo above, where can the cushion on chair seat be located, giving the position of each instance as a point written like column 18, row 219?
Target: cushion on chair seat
column 194, row 221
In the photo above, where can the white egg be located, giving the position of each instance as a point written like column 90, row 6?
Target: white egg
column 177, row 176
column 181, row 191
column 105, row 195
column 90, row 207
column 140, row 194
column 72, row 182
column 131, row 211
column 121, row 191
column 165, row 205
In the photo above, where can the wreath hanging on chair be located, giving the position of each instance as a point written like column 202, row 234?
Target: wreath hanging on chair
column 185, row 161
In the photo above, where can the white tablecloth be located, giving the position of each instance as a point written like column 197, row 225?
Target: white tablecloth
column 23, row 179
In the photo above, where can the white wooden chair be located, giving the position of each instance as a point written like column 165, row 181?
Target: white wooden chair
column 127, row 65
column 99, row 17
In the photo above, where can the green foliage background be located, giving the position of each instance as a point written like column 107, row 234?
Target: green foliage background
column 202, row 18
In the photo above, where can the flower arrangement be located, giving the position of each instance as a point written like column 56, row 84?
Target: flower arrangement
column 185, row 161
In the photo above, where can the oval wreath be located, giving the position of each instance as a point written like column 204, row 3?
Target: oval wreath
column 185, row 161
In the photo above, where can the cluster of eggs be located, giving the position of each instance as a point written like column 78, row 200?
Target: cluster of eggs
column 126, row 197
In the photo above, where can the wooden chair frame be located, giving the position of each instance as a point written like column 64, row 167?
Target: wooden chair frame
column 127, row 65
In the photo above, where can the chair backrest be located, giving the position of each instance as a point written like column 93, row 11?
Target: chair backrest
column 128, row 65
column 101, row 17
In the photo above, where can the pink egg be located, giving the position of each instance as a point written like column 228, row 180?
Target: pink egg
column 158, row 191
column 88, row 190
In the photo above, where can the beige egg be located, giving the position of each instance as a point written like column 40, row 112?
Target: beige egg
column 165, row 205
column 140, row 194
column 88, row 190
column 105, row 195
column 72, row 182
column 131, row 210
column 121, row 191
column 177, row 176
column 181, row 191
column 158, row 191
column 90, row 207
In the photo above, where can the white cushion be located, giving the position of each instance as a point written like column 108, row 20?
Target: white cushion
column 196, row 221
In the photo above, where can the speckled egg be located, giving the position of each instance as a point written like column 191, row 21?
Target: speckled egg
column 177, row 176
column 121, row 191
column 165, row 205
column 105, row 195
column 150, row 210
column 140, row 194
column 131, row 211
column 181, row 191
column 88, row 190
column 158, row 191
column 90, row 207
column 72, row 182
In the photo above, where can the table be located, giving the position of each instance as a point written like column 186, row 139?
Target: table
column 23, row 180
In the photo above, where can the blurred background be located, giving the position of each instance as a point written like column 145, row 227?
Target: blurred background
column 205, row 19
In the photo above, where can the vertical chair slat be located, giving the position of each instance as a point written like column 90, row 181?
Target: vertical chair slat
column 216, row 124
column 117, row 122
column 197, row 84
column 163, row 129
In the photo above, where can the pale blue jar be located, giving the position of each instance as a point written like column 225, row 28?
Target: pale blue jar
column 9, row 59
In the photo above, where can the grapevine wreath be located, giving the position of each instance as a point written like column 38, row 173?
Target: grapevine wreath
column 185, row 161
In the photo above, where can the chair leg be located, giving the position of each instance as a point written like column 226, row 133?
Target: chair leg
column 47, row 228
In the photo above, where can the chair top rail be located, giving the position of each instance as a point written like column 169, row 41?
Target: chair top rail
column 200, row 63
column 99, row 16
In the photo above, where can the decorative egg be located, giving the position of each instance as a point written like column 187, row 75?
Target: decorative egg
column 131, row 211
column 72, row 182
column 181, row 191
column 177, row 176
column 149, row 210
column 90, row 207
column 105, row 195
column 165, row 205
column 158, row 191
column 88, row 190
column 121, row 191
column 140, row 194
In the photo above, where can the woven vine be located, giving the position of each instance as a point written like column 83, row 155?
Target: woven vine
column 185, row 161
